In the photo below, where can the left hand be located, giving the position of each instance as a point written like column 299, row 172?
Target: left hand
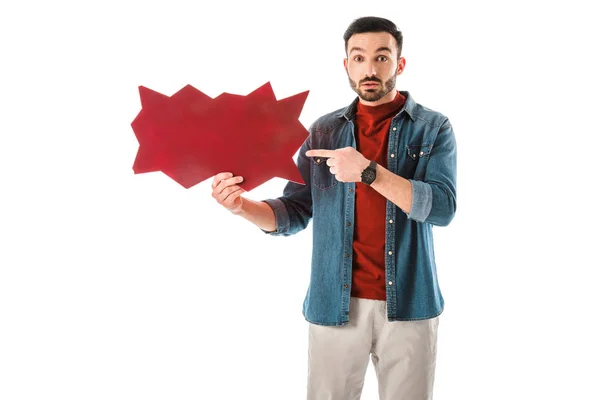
column 346, row 164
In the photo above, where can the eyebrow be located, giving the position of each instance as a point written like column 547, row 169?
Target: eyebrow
column 383, row 48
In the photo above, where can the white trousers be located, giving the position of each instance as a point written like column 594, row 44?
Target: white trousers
column 403, row 355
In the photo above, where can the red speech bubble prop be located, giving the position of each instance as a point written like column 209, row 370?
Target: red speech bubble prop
column 191, row 137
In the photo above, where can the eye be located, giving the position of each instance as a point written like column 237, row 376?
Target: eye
column 382, row 58
column 358, row 58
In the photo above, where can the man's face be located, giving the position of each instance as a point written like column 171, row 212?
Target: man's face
column 372, row 66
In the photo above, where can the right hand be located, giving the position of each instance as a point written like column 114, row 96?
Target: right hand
column 226, row 191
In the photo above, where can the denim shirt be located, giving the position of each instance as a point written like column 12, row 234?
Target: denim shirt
column 422, row 149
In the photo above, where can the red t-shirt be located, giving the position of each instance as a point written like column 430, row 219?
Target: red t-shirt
column 368, row 271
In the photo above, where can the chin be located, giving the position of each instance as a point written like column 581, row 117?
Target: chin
column 371, row 96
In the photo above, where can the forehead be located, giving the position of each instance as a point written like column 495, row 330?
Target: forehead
column 371, row 41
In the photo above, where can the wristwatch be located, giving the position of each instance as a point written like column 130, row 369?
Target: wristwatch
column 369, row 174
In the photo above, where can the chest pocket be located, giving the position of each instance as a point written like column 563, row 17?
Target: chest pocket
column 321, row 177
column 415, row 155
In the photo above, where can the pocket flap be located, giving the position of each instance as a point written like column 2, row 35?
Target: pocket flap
column 418, row 151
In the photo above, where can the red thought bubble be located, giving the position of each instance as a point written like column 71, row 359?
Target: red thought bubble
column 191, row 137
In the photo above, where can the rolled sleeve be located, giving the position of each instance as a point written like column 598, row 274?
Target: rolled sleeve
column 422, row 200
column 282, row 217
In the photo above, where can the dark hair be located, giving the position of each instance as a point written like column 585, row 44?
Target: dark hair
column 373, row 24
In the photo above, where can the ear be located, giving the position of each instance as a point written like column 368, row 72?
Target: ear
column 401, row 65
column 346, row 64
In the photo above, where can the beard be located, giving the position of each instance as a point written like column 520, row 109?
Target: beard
column 374, row 94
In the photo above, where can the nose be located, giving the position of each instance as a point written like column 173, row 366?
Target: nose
column 370, row 71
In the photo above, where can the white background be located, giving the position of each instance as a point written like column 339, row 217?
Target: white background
column 123, row 286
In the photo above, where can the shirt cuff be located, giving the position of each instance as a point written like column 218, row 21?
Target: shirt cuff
column 282, row 218
column 422, row 200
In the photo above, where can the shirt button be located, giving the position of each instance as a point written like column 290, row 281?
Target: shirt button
column 391, row 221
column 346, row 286
column 347, row 255
column 318, row 160
column 391, row 155
column 348, row 223
column 390, row 253
column 390, row 283
column 421, row 153
column 394, row 128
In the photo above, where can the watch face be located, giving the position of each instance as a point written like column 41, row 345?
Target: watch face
column 368, row 175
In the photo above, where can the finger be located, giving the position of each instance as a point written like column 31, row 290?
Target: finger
column 320, row 153
column 226, row 195
column 333, row 170
column 219, row 177
column 232, row 197
column 331, row 162
column 222, row 195
column 225, row 183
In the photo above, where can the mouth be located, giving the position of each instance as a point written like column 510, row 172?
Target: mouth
column 370, row 85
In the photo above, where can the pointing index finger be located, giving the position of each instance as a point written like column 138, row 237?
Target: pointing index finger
column 320, row 153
